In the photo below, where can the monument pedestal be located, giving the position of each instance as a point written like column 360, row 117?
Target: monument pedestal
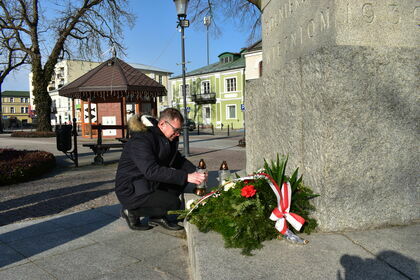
column 344, row 107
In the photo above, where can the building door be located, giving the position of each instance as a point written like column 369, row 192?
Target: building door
column 111, row 120
column 206, row 114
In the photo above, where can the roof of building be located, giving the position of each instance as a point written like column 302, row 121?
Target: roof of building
column 14, row 93
column 257, row 46
column 135, row 65
column 149, row 67
column 114, row 79
column 216, row 67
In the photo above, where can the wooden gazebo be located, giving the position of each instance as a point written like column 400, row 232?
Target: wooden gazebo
column 109, row 84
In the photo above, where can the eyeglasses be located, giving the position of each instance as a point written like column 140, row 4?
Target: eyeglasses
column 176, row 130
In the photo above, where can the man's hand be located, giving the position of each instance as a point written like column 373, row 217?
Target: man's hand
column 197, row 178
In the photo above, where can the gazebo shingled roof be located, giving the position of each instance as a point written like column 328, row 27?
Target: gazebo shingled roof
column 113, row 79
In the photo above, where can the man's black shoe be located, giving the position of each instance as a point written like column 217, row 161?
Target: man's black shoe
column 163, row 222
column 133, row 221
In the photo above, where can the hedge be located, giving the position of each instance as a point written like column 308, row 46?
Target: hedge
column 33, row 134
column 20, row 166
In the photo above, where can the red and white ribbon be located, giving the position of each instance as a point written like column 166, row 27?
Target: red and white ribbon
column 281, row 213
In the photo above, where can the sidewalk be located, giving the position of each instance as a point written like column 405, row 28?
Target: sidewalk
column 389, row 254
column 92, row 244
column 97, row 244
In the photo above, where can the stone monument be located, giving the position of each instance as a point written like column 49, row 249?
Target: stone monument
column 340, row 95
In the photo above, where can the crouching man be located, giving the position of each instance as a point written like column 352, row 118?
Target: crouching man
column 152, row 173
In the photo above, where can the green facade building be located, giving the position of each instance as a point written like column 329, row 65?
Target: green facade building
column 215, row 93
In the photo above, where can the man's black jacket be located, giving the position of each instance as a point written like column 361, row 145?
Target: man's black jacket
column 148, row 159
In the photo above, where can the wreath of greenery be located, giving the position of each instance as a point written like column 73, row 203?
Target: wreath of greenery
column 244, row 221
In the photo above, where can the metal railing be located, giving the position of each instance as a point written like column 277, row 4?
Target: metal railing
column 204, row 98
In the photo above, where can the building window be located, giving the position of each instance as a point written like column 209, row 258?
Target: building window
column 231, row 111
column 22, row 100
column 187, row 90
column 260, row 68
column 205, row 87
column 11, row 99
column 12, row 110
column 230, row 84
column 26, row 110
column 22, row 110
column 160, row 79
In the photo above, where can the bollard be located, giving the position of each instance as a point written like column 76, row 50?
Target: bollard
column 198, row 129
column 212, row 129
column 228, row 129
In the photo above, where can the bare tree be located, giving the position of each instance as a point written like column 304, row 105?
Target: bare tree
column 78, row 27
column 11, row 58
column 247, row 13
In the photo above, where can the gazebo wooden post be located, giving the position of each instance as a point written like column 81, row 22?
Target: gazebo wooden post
column 154, row 107
column 90, row 118
column 74, row 121
column 137, row 110
column 123, row 115
column 73, row 109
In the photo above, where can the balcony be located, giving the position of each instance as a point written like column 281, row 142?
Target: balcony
column 204, row 98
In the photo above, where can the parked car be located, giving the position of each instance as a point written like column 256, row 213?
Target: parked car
column 191, row 125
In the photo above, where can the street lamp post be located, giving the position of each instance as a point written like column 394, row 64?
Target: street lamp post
column 181, row 8
column 207, row 22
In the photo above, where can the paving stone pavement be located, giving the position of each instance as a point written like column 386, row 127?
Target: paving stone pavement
column 90, row 244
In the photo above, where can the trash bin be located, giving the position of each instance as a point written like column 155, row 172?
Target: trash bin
column 63, row 136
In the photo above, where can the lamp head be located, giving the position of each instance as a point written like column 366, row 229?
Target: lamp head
column 181, row 8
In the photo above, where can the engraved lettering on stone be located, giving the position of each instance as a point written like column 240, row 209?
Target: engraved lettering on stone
column 325, row 20
column 311, row 28
column 271, row 24
column 290, row 6
column 347, row 12
column 394, row 13
column 368, row 13
column 294, row 5
column 283, row 12
column 293, row 40
column 416, row 14
column 301, row 34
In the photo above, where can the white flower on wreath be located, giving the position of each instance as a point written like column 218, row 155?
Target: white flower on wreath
column 261, row 170
column 190, row 204
column 228, row 186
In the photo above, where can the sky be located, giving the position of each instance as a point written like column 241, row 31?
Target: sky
column 155, row 40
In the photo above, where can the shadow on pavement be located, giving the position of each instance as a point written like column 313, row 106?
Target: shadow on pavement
column 57, row 234
column 49, row 202
column 357, row 268
column 212, row 151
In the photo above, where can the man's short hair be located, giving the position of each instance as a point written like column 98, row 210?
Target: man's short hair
column 171, row 114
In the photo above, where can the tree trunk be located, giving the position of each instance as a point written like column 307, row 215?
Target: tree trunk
column 42, row 99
